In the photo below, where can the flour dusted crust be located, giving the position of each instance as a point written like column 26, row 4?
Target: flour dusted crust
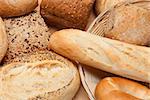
column 26, row 34
column 3, row 40
column 109, row 55
column 42, row 80
column 13, row 8
column 127, row 22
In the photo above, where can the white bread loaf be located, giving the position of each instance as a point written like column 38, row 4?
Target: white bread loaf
column 113, row 56
column 43, row 80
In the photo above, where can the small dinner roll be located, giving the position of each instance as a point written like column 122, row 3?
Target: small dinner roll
column 115, row 88
column 11, row 8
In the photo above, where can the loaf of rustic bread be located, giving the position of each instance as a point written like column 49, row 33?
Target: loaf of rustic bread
column 41, row 80
column 66, row 13
column 26, row 34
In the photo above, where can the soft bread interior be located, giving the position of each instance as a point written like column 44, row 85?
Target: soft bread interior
column 24, row 81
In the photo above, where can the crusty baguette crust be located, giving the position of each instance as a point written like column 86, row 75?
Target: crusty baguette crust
column 3, row 40
column 36, row 79
column 12, row 8
column 115, row 88
column 113, row 56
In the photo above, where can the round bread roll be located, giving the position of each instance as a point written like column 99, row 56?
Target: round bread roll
column 128, row 22
column 66, row 13
column 102, row 5
column 3, row 40
column 114, row 88
column 43, row 80
column 26, row 34
column 11, row 8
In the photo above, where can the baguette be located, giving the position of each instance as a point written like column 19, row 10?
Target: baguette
column 3, row 40
column 113, row 56
column 115, row 88
column 43, row 80
column 12, row 8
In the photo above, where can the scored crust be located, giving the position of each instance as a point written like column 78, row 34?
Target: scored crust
column 3, row 40
column 50, row 79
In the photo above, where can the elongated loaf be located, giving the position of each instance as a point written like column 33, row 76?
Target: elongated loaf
column 113, row 56
column 115, row 88
column 3, row 40
column 43, row 80
column 11, row 8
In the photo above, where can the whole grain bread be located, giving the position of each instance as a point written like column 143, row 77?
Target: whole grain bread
column 66, row 13
column 26, row 34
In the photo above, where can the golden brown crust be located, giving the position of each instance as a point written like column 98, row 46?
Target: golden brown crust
column 66, row 14
column 3, row 40
column 11, row 8
column 114, row 88
column 103, row 53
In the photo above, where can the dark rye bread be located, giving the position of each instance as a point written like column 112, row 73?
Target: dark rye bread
column 26, row 34
column 66, row 13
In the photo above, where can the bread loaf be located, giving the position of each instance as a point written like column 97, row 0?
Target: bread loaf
column 43, row 80
column 128, row 22
column 3, row 40
column 26, row 34
column 115, row 88
column 12, row 8
column 66, row 13
column 113, row 56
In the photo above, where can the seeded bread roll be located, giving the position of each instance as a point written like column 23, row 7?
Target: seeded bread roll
column 66, row 13
column 26, row 34
column 43, row 80
column 3, row 40
column 11, row 8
